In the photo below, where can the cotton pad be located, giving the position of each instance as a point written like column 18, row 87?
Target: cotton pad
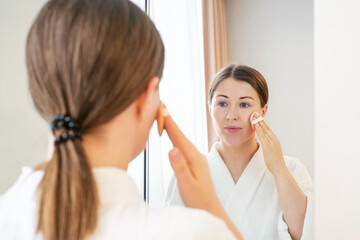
column 162, row 112
column 253, row 122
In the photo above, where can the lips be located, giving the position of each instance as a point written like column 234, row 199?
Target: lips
column 232, row 129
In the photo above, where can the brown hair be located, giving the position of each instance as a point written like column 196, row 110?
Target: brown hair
column 241, row 73
column 90, row 59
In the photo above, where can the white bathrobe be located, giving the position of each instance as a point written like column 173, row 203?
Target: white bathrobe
column 253, row 203
column 122, row 214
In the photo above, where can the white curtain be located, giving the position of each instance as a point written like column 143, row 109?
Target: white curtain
column 136, row 166
column 182, row 87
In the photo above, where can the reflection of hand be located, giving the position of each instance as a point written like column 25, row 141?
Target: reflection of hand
column 272, row 152
column 292, row 199
column 193, row 175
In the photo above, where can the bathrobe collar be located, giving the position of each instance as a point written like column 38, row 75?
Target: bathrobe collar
column 236, row 196
column 252, row 169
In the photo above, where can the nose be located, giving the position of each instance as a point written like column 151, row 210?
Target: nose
column 232, row 115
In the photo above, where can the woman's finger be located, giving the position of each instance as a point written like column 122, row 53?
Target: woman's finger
column 258, row 129
column 256, row 120
column 180, row 167
column 268, row 130
column 264, row 127
column 263, row 137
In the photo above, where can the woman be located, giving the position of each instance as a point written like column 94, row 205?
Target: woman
column 266, row 194
column 94, row 69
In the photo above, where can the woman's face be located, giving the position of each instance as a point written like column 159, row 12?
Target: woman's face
column 230, row 109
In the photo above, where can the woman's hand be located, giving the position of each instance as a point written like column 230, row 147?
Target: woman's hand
column 191, row 170
column 193, row 175
column 292, row 199
column 272, row 152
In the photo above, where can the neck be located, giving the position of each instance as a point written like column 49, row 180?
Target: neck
column 105, row 148
column 236, row 158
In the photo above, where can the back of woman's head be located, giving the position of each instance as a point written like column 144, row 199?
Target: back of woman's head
column 89, row 59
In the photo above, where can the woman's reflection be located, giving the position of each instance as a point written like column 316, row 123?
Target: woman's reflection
column 267, row 195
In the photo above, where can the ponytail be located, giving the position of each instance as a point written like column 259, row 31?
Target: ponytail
column 90, row 59
column 68, row 201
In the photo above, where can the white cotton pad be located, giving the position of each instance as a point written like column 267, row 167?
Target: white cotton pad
column 253, row 122
column 257, row 120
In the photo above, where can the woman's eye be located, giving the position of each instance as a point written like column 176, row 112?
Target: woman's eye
column 244, row 105
column 222, row 104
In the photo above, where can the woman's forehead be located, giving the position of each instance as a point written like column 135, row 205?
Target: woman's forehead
column 235, row 88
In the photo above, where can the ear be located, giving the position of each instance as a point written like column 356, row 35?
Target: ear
column 146, row 99
column 152, row 87
column 264, row 110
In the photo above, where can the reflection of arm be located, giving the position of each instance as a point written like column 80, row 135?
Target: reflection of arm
column 293, row 200
column 296, row 202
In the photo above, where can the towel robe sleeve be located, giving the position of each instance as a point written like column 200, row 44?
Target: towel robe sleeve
column 193, row 224
column 306, row 184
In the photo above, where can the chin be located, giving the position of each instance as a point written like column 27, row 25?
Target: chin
column 237, row 140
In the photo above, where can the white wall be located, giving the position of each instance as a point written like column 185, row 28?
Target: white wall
column 23, row 134
column 276, row 38
column 337, row 114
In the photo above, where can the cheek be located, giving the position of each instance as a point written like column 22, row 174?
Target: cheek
column 246, row 116
column 218, row 116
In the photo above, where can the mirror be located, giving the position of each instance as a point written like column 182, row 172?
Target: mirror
column 277, row 41
column 274, row 38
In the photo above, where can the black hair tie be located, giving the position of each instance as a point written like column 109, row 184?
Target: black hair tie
column 68, row 123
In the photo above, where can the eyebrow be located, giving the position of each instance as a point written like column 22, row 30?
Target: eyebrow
column 246, row 97
column 221, row 95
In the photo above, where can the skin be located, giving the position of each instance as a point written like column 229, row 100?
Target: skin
column 105, row 146
column 232, row 104
column 227, row 109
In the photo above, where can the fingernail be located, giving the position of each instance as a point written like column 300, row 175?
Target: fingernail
column 256, row 115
